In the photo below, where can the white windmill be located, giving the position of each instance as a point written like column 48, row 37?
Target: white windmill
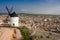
column 14, row 19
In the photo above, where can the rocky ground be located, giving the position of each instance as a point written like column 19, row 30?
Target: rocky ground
column 47, row 23
column 10, row 34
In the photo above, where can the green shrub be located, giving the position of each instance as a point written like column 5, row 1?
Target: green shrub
column 41, row 36
column 25, row 33
column 47, row 36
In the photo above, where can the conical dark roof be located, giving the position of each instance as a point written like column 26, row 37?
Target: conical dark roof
column 13, row 15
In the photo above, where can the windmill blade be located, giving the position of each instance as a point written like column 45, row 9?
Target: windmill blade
column 7, row 9
column 11, row 9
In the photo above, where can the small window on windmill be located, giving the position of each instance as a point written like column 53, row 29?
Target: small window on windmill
column 13, row 24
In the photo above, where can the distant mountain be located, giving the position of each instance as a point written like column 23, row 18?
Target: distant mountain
column 31, row 14
column 37, row 14
column 3, row 13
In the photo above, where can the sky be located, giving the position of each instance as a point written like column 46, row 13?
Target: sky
column 31, row 6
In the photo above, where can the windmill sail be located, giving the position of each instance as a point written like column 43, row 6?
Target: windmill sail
column 11, row 9
column 7, row 10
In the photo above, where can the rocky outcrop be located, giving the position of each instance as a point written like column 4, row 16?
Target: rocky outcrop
column 10, row 34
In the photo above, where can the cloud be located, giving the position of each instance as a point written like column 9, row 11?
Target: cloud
column 49, row 10
column 23, row 9
column 44, row 10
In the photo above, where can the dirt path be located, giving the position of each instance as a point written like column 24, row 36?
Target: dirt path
column 9, row 34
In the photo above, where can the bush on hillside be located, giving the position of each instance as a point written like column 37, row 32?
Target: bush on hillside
column 25, row 33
